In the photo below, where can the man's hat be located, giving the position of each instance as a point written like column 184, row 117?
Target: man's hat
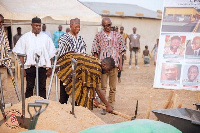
column 36, row 20
column 74, row 21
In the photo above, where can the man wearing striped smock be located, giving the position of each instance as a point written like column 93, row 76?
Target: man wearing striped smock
column 109, row 43
column 70, row 42
column 4, row 48
column 88, row 77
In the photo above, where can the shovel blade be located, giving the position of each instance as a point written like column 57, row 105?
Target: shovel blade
column 23, row 122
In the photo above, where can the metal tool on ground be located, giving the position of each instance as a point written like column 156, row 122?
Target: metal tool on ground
column 37, row 58
column 186, row 120
column 56, row 83
column 22, row 81
column 74, row 65
column 136, row 109
column 197, row 106
column 2, row 104
column 52, row 74
column 118, row 113
column 34, row 118
column 37, row 108
column 12, row 77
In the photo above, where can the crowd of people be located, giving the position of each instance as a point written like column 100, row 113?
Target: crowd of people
column 108, row 53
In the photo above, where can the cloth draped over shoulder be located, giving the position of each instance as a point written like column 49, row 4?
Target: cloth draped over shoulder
column 88, row 76
column 4, row 47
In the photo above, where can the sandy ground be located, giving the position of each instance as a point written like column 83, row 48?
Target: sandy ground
column 136, row 84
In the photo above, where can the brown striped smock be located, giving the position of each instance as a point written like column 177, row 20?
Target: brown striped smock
column 88, row 76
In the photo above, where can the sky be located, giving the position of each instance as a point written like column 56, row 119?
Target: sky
column 149, row 4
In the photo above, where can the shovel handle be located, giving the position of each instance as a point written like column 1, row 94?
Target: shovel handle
column 117, row 113
column 42, row 102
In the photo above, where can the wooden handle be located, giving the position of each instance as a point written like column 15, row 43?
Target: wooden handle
column 149, row 108
column 170, row 104
column 170, row 96
column 198, row 97
column 175, row 101
column 180, row 105
column 117, row 113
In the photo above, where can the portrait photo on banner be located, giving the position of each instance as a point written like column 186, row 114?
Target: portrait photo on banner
column 174, row 46
column 170, row 73
column 193, row 47
column 191, row 75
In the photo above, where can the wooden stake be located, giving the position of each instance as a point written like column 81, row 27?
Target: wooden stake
column 171, row 95
column 170, row 104
column 165, row 106
column 198, row 98
column 175, row 100
column 149, row 108
column 117, row 113
column 180, row 105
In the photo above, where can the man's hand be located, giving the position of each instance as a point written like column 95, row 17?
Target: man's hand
column 95, row 102
column 49, row 71
column 109, row 109
column 120, row 67
column 24, row 73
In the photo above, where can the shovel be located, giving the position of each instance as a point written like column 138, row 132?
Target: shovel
column 22, row 82
column 37, row 57
column 30, row 123
column 121, row 114
column 12, row 77
column 52, row 75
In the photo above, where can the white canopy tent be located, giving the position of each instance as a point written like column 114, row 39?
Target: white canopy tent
column 56, row 9
column 21, row 12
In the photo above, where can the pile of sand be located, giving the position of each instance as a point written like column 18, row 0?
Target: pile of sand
column 56, row 117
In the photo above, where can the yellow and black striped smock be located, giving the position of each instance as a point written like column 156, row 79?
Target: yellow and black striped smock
column 88, row 76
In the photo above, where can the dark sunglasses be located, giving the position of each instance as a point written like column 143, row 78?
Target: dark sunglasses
column 108, row 25
column 1, row 21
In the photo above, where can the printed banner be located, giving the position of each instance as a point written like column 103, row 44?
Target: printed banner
column 178, row 59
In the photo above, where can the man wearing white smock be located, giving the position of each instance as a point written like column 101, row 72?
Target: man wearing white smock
column 31, row 43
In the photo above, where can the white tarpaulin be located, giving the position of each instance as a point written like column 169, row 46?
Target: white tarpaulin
column 178, row 59
column 57, row 9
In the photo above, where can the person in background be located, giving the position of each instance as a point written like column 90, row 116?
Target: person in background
column 116, row 29
column 45, row 31
column 134, row 46
column 108, row 43
column 125, row 36
column 32, row 43
column 68, row 30
column 18, row 35
column 56, row 36
column 146, row 56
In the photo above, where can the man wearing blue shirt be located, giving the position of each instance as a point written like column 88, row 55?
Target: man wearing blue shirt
column 56, row 36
